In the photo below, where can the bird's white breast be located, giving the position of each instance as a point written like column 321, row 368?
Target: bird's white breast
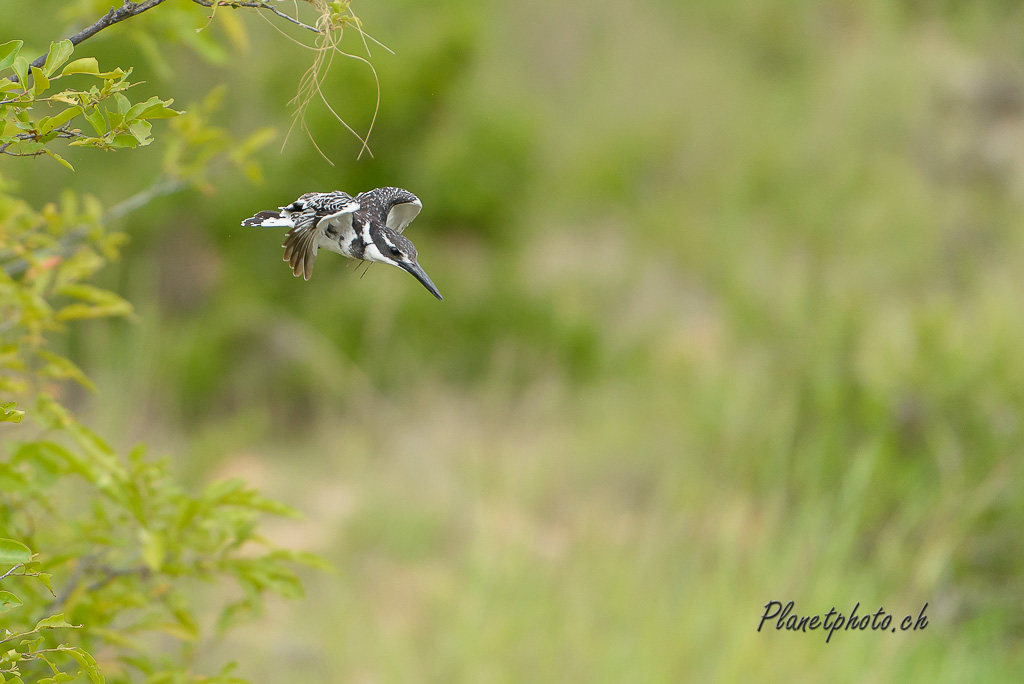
column 343, row 241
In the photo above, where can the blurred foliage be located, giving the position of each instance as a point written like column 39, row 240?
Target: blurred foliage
column 732, row 315
column 121, row 541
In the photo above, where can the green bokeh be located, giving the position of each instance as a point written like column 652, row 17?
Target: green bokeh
column 732, row 314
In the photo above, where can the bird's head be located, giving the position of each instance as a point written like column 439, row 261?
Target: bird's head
column 391, row 247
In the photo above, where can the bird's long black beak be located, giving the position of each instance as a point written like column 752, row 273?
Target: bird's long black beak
column 421, row 275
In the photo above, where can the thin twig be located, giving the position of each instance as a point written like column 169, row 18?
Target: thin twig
column 83, row 566
column 115, row 15
column 164, row 186
column 255, row 5
column 111, row 574
column 11, row 571
column 62, row 132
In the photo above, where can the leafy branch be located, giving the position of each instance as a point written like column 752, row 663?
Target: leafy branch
column 114, row 16
column 126, row 124
column 333, row 16
column 133, row 9
column 127, row 561
column 23, row 652
column 60, row 133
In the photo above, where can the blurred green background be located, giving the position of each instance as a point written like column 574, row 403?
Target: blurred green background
column 734, row 311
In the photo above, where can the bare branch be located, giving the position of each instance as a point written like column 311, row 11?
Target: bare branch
column 256, row 5
column 115, row 15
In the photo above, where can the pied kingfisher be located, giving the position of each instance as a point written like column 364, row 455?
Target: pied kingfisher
column 367, row 227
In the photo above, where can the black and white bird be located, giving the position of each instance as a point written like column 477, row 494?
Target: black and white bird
column 367, row 227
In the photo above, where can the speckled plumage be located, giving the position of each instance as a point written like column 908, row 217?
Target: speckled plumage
column 366, row 227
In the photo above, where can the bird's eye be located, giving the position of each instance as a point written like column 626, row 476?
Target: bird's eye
column 395, row 250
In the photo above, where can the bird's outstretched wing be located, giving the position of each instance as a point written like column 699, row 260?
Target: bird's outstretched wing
column 312, row 213
column 395, row 207
column 308, row 218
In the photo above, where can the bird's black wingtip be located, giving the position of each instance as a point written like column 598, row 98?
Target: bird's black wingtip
column 266, row 219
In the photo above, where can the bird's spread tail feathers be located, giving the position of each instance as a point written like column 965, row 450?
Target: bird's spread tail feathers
column 300, row 250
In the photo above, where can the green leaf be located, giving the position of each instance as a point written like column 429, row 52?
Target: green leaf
column 309, row 559
column 178, row 631
column 9, row 52
column 45, row 456
column 115, row 119
column 60, row 159
column 8, row 601
column 153, row 108
column 257, row 140
column 87, row 662
column 233, row 492
column 9, row 414
column 234, row 614
column 54, row 622
column 27, row 147
column 13, row 552
column 141, row 130
column 116, row 73
column 85, row 65
column 40, row 80
column 153, row 549
column 222, row 488
column 11, row 480
column 98, row 302
column 58, row 54
column 51, row 122
column 100, row 453
column 21, row 69
column 32, row 646
column 123, row 140
column 45, row 578
column 60, row 368
column 46, row 466
column 123, row 105
column 95, row 118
